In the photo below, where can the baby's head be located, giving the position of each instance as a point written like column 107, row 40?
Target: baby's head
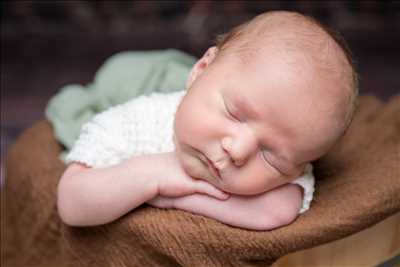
column 274, row 94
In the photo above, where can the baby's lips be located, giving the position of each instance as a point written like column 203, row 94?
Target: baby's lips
column 221, row 164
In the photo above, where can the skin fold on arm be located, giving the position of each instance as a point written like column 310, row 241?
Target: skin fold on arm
column 263, row 211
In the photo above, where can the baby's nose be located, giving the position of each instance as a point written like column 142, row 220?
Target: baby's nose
column 239, row 149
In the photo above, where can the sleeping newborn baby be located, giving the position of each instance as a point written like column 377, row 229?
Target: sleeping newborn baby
column 273, row 95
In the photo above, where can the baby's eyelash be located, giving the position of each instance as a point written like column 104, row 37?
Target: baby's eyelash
column 268, row 162
column 230, row 114
column 264, row 158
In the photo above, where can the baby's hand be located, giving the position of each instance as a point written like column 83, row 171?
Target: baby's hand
column 175, row 182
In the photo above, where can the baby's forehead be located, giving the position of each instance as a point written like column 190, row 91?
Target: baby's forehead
column 319, row 69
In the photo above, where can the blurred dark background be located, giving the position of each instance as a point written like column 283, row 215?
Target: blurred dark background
column 48, row 44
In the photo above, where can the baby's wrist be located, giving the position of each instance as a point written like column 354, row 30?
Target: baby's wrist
column 162, row 164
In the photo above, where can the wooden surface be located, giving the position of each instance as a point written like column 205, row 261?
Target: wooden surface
column 370, row 247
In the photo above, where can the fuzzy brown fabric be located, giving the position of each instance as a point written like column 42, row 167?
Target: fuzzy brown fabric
column 358, row 185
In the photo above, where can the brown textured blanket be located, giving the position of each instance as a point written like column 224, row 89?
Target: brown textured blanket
column 358, row 184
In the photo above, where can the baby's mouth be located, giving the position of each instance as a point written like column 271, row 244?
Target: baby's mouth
column 214, row 170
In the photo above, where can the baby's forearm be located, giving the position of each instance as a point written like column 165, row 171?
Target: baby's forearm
column 98, row 196
column 265, row 211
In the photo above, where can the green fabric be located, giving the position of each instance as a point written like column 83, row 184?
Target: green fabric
column 122, row 77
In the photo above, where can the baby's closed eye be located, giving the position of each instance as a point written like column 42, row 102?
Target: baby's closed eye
column 230, row 112
column 271, row 160
column 266, row 159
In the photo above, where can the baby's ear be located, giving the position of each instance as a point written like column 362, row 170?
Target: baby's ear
column 201, row 65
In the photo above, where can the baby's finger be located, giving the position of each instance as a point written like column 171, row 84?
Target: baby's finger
column 209, row 189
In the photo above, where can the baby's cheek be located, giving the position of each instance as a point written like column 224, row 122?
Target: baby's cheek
column 253, row 178
column 190, row 133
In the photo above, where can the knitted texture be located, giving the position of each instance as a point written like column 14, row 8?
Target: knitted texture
column 140, row 126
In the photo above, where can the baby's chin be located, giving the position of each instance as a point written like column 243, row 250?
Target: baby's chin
column 240, row 190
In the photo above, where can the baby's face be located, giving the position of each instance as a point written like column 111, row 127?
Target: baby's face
column 258, row 124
